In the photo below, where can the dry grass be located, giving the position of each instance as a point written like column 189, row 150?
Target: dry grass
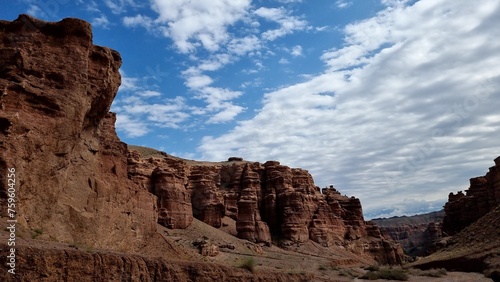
column 439, row 272
column 248, row 264
column 387, row 273
column 146, row 152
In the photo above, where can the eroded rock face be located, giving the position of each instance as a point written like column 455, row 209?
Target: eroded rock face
column 266, row 200
column 56, row 89
column 417, row 234
column 76, row 265
column 174, row 201
column 482, row 197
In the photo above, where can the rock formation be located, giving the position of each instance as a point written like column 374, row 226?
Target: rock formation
column 267, row 201
column 474, row 249
column 56, row 89
column 482, row 197
column 416, row 234
column 39, row 264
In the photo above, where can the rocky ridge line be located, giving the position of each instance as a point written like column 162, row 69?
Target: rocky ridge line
column 267, row 201
column 483, row 195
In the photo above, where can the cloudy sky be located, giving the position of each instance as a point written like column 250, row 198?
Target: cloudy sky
column 396, row 102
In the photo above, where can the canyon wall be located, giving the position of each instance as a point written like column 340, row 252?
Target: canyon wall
column 417, row 234
column 40, row 264
column 268, row 201
column 56, row 130
column 483, row 195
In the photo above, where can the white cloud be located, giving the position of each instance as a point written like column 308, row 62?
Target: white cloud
column 101, row 21
column 288, row 24
column 149, row 93
column 34, row 11
column 408, row 107
column 296, row 51
column 242, row 46
column 140, row 110
column 91, row 6
column 119, row 6
column 283, row 61
column 200, row 26
column 139, row 20
column 342, row 4
column 198, row 81
column 290, row 1
column 229, row 112
column 130, row 126
column 194, row 23
column 218, row 100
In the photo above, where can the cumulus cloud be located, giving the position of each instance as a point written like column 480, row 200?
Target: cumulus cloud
column 296, row 51
column 140, row 110
column 408, row 108
column 287, row 23
column 101, row 21
column 194, row 23
column 205, row 32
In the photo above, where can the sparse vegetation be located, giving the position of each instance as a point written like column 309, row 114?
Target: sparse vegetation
column 248, row 264
column 439, row 272
column 80, row 246
column 387, row 273
column 372, row 268
column 349, row 272
column 36, row 232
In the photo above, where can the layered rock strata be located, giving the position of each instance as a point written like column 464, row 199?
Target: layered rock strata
column 483, row 195
column 416, row 234
column 56, row 89
column 267, row 201
column 40, row 264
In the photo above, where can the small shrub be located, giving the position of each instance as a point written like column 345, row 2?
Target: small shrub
column 36, row 232
column 248, row 264
column 351, row 273
column 439, row 272
column 372, row 268
column 387, row 273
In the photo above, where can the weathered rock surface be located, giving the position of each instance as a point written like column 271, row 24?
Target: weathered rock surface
column 37, row 264
column 416, row 234
column 474, row 249
column 56, row 88
column 482, row 197
column 267, row 201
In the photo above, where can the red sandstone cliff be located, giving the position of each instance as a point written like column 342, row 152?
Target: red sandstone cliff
column 417, row 234
column 482, row 197
column 56, row 88
column 266, row 200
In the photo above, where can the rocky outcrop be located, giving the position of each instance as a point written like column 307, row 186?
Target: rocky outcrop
column 174, row 201
column 56, row 89
column 416, row 234
column 474, row 249
column 267, row 201
column 483, row 195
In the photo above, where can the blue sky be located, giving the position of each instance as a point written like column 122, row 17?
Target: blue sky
column 395, row 102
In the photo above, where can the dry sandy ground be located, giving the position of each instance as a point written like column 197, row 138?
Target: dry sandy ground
column 327, row 264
